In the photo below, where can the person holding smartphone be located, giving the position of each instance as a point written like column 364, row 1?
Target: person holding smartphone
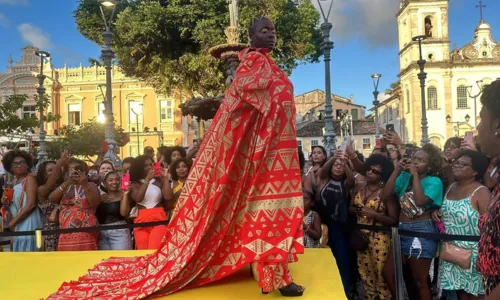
column 77, row 199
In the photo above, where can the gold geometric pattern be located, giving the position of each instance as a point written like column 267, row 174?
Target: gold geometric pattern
column 241, row 203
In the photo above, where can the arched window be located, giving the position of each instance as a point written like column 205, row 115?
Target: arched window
column 436, row 141
column 432, row 98
column 407, row 101
column 428, row 26
column 462, row 97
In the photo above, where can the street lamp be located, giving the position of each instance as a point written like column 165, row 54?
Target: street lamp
column 469, row 90
column 326, row 47
column 42, row 154
column 422, row 76
column 376, row 79
column 137, row 114
column 457, row 124
column 107, row 57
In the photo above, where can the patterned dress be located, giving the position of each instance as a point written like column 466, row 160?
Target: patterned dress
column 241, row 204
column 489, row 244
column 76, row 212
column 49, row 241
column 460, row 218
column 371, row 261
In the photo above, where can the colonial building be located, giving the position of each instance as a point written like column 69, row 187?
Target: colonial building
column 310, row 133
column 76, row 96
column 454, row 75
column 312, row 103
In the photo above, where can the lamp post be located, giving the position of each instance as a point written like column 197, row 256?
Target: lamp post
column 42, row 154
column 326, row 47
column 469, row 90
column 422, row 76
column 107, row 56
column 137, row 114
column 376, row 80
column 457, row 124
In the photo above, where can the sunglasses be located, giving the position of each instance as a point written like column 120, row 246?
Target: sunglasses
column 374, row 171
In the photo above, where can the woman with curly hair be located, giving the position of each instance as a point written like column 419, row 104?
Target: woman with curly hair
column 173, row 153
column 179, row 171
column 49, row 177
column 420, row 193
column 23, row 206
column 372, row 208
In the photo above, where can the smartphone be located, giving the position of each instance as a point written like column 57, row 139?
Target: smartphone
column 345, row 143
column 378, row 143
column 125, row 181
column 157, row 169
column 389, row 127
column 469, row 137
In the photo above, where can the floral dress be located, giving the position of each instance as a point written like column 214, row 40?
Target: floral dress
column 76, row 212
column 49, row 241
column 460, row 218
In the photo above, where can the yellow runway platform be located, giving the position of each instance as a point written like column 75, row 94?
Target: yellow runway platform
column 33, row 276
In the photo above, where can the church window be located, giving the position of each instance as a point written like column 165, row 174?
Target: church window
column 314, row 143
column 354, row 114
column 390, row 113
column 462, row 97
column 100, row 112
column 436, row 141
column 407, row 101
column 428, row 26
column 432, row 98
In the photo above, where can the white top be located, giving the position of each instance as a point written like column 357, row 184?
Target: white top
column 153, row 195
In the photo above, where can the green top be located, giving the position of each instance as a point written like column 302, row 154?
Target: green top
column 431, row 186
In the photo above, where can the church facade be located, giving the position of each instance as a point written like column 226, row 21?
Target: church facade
column 76, row 95
column 455, row 76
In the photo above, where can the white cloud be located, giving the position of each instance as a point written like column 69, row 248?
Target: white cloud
column 383, row 96
column 4, row 22
column 373, row 21
column 34, row 35
column 14, row 2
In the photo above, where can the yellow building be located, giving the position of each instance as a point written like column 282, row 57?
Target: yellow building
column 76, row 96
column 454, row 76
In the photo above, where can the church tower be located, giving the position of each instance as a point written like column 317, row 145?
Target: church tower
column 417, row 18
column 423, row 17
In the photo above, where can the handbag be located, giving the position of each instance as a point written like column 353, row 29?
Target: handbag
column 456, row 255
column 359, row 240
column 408, row 206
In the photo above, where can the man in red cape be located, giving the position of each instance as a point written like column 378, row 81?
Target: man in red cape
column 241, row 204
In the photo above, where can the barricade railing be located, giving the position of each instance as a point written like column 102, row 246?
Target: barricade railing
column 395, row 231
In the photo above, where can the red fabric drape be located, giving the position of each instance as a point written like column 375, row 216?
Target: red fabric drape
column 241, row 203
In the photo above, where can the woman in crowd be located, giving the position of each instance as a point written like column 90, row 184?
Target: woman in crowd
column 419, row 193
column 109, row 213
column 174, row 153
column 464, row 202
column 23, row 206
column 104, row 168
column 93, row 175
column 149, row 194
column 126, row 163
column 452, row 150
column 49, row 177
column 318, row 158
column 331, row 202
column 489, row 224
column 312, row 223
column 179, row 171
column 372, row 208
column 77, row 199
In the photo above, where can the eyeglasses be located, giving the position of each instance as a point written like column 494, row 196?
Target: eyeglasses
column 391, row 150
column 374, row 171
column 460, row 165
column 19, row 164
column 451, row 147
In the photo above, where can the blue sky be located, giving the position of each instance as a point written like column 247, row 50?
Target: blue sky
column 364, row 35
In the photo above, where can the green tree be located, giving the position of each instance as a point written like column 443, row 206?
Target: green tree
column 168, row 45
column 84, row 141
column 16, row 127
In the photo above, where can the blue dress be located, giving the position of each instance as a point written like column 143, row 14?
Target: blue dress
column 32, row 222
